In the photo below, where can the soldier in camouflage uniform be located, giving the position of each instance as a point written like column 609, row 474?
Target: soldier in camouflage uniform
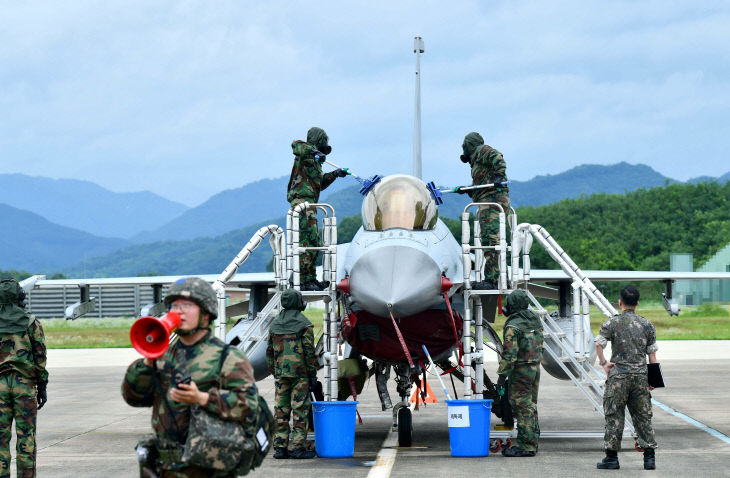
column 632, row 338
column 305, row 184
column 226, row 389
column 487, row 166
column 520, row 368
column 292, row 361
column 23, row 378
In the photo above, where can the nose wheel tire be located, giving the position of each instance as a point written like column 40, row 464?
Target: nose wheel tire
column 405, row 427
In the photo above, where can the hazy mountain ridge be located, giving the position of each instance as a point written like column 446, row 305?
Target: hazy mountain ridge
column 231, row 210
column 212, row 253
column 208, row 255
column 31, row 242
column 86, row 206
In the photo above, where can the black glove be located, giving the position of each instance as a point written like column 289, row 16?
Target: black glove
column 460, row 191
column 319, row 156
column 42, row 397
column 312, row 383
column 501, row 385
column 341, row 173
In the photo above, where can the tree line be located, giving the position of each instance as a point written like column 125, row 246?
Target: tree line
column 633, row 231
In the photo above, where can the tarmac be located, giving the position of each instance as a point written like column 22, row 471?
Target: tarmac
column 86, row 429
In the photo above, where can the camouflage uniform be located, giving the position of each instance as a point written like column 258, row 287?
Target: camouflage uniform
column 291, row 359
column 22, row 368
column 632, row 337
column 487, row 166
column 520, row 362
column 236, row 399
column 305, row 184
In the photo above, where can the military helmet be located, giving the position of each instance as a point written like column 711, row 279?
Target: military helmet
column 197, row 290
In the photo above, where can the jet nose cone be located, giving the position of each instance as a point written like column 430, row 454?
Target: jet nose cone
column 403, row 276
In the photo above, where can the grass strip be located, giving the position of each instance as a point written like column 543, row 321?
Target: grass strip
column 707, row 322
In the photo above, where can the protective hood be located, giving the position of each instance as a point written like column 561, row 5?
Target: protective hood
column 13, row 318
column 472, row 141
column 290, row 320
column 520, row 317
column 318, row 138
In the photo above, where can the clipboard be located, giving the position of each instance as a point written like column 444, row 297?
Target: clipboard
column 656, row 378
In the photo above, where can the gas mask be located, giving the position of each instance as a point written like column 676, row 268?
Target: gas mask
column 464, row 157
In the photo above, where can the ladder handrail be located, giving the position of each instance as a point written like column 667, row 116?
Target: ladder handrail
column 569, row 267
column 261, row 322
column 220, row 283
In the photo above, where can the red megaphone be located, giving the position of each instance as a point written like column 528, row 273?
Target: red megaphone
column 151, row 335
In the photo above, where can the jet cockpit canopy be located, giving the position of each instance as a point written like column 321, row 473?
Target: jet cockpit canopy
column 399, row 201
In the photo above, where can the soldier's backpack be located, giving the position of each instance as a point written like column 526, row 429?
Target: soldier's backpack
column 226, row 445
column 258, row 443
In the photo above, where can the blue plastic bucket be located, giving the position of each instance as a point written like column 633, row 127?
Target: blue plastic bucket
column 469, row 426
column 334, row 428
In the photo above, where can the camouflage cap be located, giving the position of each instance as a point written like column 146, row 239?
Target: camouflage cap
column 197, row 290
column 317, row 138
column 471, row 142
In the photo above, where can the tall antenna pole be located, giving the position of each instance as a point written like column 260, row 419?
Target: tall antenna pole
column 417, row 49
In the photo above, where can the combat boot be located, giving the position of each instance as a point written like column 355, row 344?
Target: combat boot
column 281, row 453
column 312, row 285
column 610, row 462
column 301, row 454
column 649, row 459
column 516, row 452
column 483, row 285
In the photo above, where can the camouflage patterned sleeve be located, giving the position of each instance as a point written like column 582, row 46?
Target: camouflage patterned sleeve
column 38, row 343
column 138, row 386
column 510, row 348
column 605, row 334
column 270, row 355
column 497, row 166
column 237, row 397
column 651, row 345
column 310, row 356
column 327, row 179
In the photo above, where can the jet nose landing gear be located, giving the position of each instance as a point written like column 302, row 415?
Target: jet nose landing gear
column 403, row 422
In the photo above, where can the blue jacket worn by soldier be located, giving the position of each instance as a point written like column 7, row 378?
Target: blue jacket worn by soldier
column 632, row 338
column 520, row 367
column 23, row 378
column 291, row 358
column 221, row 375
column 487, row 167
column 305, row 184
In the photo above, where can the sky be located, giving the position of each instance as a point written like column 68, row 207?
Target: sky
column 189, row 98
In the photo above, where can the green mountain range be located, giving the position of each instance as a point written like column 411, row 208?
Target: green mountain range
column 634, row 230
column 31, row 242
column 227, row 220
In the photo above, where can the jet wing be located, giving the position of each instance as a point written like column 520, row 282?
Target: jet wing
column 243, row 279
column 546, row 275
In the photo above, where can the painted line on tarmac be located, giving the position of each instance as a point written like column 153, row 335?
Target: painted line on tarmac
column 386, row 457
column 692, row 421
